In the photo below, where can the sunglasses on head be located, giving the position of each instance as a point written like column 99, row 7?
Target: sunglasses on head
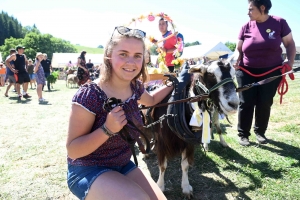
column 124, row 30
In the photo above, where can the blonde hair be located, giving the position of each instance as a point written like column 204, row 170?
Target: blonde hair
column 106, row 68
column 38, row 54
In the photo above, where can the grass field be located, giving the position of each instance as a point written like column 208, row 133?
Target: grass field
column 90, row 50
column 33, row 154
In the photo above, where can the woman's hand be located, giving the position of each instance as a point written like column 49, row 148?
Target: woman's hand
column 116, row 119
column 236, row 66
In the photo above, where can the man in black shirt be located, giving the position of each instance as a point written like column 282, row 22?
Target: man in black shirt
column 46, row 64
column 20, row 64
column 89, row 65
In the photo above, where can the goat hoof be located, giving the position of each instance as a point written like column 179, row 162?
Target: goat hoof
column 188, row 191
column 224, row 144
column 205, row 146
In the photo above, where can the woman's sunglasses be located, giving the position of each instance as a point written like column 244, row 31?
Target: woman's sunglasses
column 124, row 30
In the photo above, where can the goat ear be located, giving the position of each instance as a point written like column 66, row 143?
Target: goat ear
column 195, row 69
column 198, row 69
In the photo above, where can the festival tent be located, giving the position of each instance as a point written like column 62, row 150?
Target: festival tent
column 0, row 57
column 212, row 51
column 60, row 60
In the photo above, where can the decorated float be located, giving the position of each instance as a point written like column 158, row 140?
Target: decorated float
column 157, row 71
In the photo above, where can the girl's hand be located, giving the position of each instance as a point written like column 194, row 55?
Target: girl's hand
column 116, row 119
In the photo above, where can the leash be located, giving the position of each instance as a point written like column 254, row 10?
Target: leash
column 283, row 85
column 195, row 98
column 108, row 105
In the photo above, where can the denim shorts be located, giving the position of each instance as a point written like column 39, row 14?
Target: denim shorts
column 32, row 76
column 80, row 178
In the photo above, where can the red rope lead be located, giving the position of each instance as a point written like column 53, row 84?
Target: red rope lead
column 283, row 85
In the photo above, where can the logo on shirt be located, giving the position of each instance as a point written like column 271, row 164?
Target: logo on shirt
column 271, row 35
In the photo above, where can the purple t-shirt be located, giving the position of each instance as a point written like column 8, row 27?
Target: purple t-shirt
column 114, row 151
column 261, row 46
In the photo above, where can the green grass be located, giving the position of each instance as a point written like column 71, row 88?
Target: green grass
column 89, row 50
column 33, row 155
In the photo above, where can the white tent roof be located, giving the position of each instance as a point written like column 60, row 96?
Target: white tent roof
column 0, row 57
column 212, row 51
column 60, row 60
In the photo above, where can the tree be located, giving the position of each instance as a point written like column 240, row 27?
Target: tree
column 28, row 29
column 35, row 42
column 231, row 45
column 192, row 44
column 9, row 44
column 195, row 43
column 9, row 27
column 100, row 47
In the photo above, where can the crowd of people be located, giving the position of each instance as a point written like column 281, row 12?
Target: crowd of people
column 18, row 71
column 85, row 72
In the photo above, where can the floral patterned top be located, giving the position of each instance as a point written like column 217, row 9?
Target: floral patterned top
column 40, row 75
column 115, row 151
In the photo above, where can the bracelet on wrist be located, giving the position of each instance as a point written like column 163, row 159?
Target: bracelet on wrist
column 107, row 131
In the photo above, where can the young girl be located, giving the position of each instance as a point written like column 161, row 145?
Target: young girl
column 31, row 74
column 40, row 76
column 99, row 165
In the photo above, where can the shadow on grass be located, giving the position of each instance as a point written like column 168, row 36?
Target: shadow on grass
column 45, row 104
column 17, row 101
column 207, row 176
column 285, row 150
column 72, row 88
column 223, row 129
column 52, row 90
column 204, row 176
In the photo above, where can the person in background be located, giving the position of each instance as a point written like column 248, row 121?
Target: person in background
column 89, row 65
column 2, row 74
column 199, row 61
column 148, row 59
column 10, row 74
column 46, row 63
column 20, row 62
column 82, row 72
column 259, row 52
column 40, row 77
column 99, row 165
column 169, row 44
column 31, row 74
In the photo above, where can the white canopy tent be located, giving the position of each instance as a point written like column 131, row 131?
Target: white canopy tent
column 60, row 60
column 212, row 51
column 0, row 57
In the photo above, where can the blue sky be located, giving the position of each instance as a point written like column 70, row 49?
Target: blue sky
column 91, row 22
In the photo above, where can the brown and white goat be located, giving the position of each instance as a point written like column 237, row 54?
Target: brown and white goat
column 168, row 144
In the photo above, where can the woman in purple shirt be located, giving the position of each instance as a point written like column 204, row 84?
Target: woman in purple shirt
column 259, row 52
